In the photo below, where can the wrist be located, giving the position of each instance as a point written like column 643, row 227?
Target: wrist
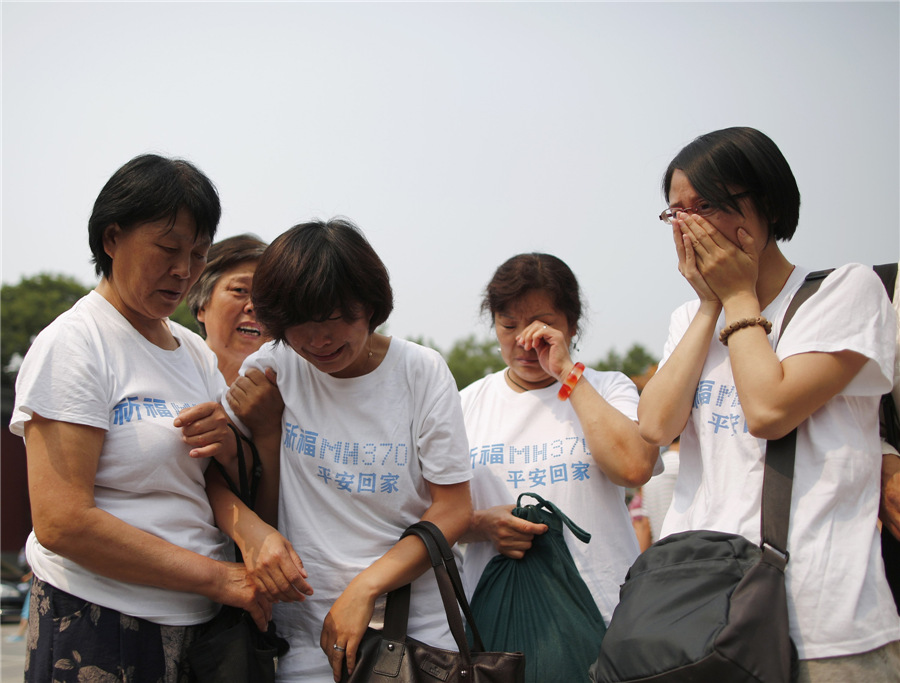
column 711, row 308
column 565, row 369
column 741, row 305
column 367, row 585
column 570, row 381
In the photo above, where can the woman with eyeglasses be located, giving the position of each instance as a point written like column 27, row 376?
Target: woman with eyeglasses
column 725, row 388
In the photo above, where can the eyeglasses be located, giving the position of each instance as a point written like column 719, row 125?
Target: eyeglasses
column 703, row 208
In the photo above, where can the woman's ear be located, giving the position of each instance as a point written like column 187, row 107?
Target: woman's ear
column 110, row 238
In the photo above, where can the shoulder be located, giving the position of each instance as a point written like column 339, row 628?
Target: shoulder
column 71, row 330
column 607, row 378
column 478, row 390
column 856, row 275
column 852, row 286
column 616, row 388
column 421, row 362
column 416, row 353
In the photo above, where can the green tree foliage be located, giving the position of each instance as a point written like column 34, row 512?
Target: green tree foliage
column 471, row 359
column 25, row 309
column 634, row 364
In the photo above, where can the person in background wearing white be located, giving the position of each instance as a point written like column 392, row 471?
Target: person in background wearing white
column 221, row 302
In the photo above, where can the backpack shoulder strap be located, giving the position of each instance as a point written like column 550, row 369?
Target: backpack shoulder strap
column 778, row 477
column 809, row 287
column 888, row 274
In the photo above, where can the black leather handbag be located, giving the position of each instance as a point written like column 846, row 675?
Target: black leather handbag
column 390, row 656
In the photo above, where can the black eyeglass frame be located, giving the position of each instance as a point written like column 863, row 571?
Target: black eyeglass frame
column 668, row 215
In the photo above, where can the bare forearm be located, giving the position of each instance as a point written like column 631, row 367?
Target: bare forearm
column 614, row 440
column 668, row 398
column 108, row 546
column 777, row 395
column 408, row 559
column 269, row 447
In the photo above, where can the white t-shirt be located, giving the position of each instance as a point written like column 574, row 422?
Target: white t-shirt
column 91, row 367
column 839, row 602
column 533, row 442
column 356, row 456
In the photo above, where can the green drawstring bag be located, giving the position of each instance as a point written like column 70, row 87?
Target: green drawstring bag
column 540, row 605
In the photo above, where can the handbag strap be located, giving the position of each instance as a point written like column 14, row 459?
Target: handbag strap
column 449, row 561
column 449, row 585
column 577, row 531
column 778, row 477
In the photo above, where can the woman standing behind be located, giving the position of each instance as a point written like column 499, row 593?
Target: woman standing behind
column 221, row 303
column 114, row 402
column 371, row 441
column 732, row 197
column 579, row 453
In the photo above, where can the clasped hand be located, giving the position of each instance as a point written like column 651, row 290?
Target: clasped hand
column 715, row 267
column 511, row 535
column 274, row 565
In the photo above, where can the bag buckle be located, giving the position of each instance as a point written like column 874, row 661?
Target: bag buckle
column 775, row 556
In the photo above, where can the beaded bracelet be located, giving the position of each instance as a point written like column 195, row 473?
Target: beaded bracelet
column 570, row 381
column 741, row 324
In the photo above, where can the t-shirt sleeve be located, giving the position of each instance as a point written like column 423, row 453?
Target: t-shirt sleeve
column 442, row 443
column 679, row 321
column 61, row 378
column 849, row 312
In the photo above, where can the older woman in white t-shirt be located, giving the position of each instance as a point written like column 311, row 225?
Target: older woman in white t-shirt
column 116, row 404
column 580, row 452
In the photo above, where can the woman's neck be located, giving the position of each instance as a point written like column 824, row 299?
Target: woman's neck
column 154, row 330
column 230, row 369
column 774, row 271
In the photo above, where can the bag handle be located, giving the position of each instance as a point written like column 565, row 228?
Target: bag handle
column 576, row 530
column 778, row 477
column 449, row 561
column 450, row 586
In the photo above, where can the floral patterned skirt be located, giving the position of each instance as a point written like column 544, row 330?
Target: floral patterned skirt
column 72, row 640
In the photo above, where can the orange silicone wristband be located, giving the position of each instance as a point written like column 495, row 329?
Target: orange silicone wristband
column 566, row 389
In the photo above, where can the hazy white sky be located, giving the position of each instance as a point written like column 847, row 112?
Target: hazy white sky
column 454, row 134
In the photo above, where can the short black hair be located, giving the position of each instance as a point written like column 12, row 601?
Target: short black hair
column 151, row 188
column 743, row 159
column 222, row 257
column 525, row 273
column 317, row 268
